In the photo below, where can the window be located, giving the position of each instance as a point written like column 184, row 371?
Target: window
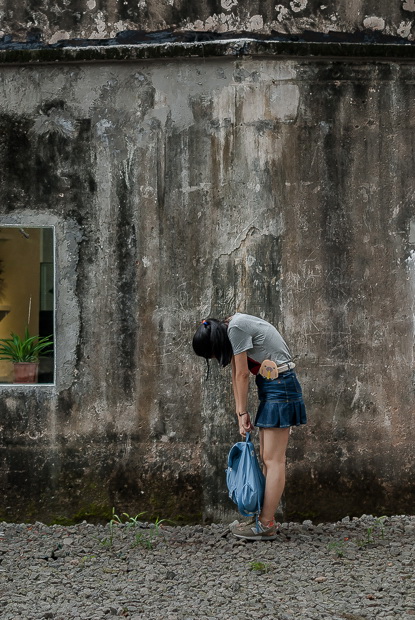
column 27, row 293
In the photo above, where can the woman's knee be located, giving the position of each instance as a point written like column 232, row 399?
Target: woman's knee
column 274, row 445
column 273, row 460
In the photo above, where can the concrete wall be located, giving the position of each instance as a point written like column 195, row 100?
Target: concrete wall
column 102, row 19
column 186, row 188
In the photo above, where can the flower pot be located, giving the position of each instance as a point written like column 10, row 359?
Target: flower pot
column 25, row 372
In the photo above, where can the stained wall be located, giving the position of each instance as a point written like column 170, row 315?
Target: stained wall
column 192, row 187
column 30, row 20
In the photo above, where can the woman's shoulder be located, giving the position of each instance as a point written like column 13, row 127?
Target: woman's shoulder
column 240, row 319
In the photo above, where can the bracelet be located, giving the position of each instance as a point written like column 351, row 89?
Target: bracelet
column 244, row 413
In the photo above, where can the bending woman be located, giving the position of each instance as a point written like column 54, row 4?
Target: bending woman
column 251, row 344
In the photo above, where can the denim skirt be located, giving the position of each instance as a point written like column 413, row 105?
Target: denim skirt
column 280, row 402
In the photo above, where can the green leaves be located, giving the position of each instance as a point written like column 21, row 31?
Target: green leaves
column 260, row 567
column 26, row 349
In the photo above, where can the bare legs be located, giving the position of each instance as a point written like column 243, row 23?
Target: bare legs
column 273, row 445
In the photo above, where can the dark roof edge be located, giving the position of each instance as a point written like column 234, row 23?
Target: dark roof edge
column 238, row 47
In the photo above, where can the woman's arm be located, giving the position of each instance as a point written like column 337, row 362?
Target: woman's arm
column 240, row 381
column 240, row 384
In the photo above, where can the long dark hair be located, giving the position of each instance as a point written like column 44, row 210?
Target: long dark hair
column 211, row 340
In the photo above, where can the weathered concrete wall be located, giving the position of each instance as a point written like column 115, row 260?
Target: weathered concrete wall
column 185, row 188
column 105, row 19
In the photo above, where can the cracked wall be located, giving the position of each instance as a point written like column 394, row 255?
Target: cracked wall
column 96, row 19
column 181, row 189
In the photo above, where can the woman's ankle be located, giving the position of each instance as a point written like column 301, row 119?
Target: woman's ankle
column 267, row 522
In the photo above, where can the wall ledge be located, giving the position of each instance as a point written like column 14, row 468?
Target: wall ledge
column 87, row 52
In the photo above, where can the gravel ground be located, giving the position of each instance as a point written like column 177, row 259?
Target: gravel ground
column 353, row 569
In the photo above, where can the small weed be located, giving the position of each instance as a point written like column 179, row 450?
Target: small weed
column 86, row 559
column 337, row 548
column 369, row 539
column 106, row 542
column 147, row 540
column 133, row 521
column 115, row 519
column 261, row 567
column 380, row 525
column 125, row 519
column 376, row 528
column 141, row 540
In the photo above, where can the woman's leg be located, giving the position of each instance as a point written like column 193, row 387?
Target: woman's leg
column 273, row 445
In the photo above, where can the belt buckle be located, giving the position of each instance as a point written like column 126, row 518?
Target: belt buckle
column 268, row 370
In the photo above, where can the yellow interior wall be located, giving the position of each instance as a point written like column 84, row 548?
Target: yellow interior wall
column 21, row 282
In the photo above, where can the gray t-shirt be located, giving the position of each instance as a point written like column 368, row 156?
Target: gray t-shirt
column 258, row 338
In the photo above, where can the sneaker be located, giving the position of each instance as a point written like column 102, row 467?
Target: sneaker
column 255, row 531
column 243, row 523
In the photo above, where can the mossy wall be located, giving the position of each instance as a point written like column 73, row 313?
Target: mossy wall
column 181, row 188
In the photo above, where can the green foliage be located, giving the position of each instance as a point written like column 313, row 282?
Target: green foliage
column 115, row 519
column 148, row 539
column 380, row 525
column 143, row 540
column 86, row 560
column 26, row 349
column 374, row 532
column 337, row 548
column 377, row 528
column 140, row 539
column 127, row 520
column 260, row 567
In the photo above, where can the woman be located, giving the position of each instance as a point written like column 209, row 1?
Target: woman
column 251, row 344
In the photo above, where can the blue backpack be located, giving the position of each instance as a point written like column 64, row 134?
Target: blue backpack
column 244, row 478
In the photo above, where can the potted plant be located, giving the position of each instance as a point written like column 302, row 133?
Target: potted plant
column 24, row 353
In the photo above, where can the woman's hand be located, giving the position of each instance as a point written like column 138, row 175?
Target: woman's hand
column 245, row 424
